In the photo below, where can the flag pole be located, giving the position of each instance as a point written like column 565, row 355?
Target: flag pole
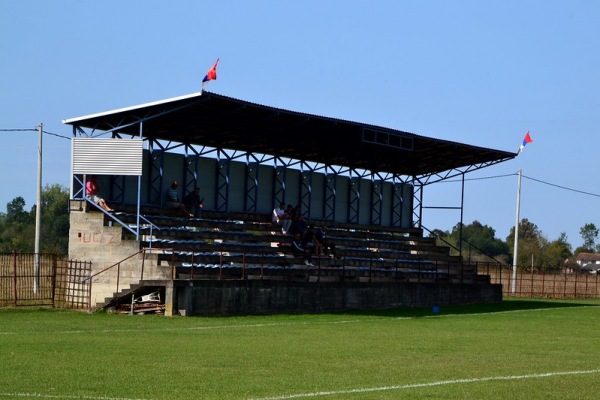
column 516, row 246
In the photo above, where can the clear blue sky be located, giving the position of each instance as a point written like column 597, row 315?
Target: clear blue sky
column 476, row 72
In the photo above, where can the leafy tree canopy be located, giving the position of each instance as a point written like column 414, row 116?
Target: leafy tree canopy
column 17, row 226
column 589, row 234
column 479, row 237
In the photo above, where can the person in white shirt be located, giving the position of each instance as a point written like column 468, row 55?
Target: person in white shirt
column 282, row 218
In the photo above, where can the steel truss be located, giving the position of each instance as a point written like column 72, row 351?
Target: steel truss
column 192, row 154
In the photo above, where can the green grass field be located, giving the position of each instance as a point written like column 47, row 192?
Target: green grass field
column 520, row 349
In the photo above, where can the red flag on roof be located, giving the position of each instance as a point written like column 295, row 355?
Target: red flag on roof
column 210, row 75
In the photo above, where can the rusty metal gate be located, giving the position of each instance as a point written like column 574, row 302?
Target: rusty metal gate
column 43, row 280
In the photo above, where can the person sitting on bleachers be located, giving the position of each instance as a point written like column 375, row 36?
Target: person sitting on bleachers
column 298, row 225
column 173, row 199
column 326, row 243
column 300, row 251
column 310, row 241
column 91, row 191
column 194, row 203
column 282, row 218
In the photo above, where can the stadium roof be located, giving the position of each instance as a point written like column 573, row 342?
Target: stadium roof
column 209, row 119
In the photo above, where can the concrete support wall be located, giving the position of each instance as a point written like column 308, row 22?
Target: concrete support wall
column 91, row 240
column 270, row 297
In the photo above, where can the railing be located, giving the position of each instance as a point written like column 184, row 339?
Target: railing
column 471, row 245
column 117, row 265
column 420, row 270
column 124, row 225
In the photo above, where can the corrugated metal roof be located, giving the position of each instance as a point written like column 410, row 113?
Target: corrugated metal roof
column 218, row 121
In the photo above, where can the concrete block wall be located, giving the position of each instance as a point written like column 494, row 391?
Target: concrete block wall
column 235, row 297
column 91, row 240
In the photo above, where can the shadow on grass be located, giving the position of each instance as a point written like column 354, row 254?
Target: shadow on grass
column 504, row 306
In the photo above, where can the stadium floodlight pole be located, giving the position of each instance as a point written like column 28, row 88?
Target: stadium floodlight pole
column 38, row 216
column 516, row 246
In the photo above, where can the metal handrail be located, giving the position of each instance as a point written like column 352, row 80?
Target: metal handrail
column 465, row 241
column 124, row 225
column 143, row 250
column 112, row 266
column 118, row 265
column 111, row 215
column 152, row 226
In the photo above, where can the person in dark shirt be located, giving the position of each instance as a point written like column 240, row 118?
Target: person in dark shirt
column 172, row 197
column 326, row 243
column 194, row 203
column 310, row 241
column 298, row 224
column 299, row 250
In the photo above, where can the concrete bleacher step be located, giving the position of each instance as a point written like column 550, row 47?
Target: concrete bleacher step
column 227, row 221
column 153, row 210
column 183, row 233
column 226, row 242
column 179, row 236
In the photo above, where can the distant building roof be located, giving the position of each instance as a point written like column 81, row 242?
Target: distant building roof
column 587, row 257
column 590, row 267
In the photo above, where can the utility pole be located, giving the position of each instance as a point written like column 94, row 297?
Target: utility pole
column 38, row 216
column 516, row 246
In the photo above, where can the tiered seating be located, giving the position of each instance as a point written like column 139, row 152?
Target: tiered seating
column 247, row 246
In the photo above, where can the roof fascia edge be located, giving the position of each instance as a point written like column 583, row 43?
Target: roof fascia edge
column 73, row 121
column 149, row 116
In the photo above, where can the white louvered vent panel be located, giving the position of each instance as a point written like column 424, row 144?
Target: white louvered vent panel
column 99, row 156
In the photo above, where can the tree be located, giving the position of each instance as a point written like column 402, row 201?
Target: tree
column 479, row 239
column 17, row 226
column 589, row 234
column 55, row 220
column 15, row 212
column 556, row 253
column 531, row 243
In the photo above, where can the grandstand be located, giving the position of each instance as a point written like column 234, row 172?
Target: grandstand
column 365, row 182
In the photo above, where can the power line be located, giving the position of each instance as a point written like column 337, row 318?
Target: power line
column 562, row 187
column 35, row 130
column 490, row 177
column 527, row 177
column 479, row 179
column 57, row 135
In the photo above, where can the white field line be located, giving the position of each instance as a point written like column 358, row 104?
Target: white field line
column 261, row 325
column 428, row 384
column 183, row 329
column 332, row 392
